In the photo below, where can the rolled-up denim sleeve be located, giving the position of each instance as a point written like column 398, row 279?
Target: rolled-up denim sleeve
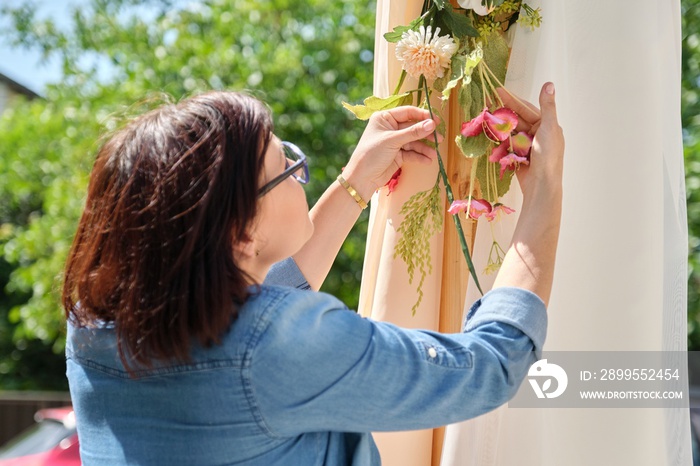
column 286, row 273
column 318, row 366
column 519, row 308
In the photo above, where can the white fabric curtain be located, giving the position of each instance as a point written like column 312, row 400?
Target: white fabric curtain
column 620, row 281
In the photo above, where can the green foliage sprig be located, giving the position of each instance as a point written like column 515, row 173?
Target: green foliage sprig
column 422, row 219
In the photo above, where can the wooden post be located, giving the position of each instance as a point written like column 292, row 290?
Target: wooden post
column 455, row 273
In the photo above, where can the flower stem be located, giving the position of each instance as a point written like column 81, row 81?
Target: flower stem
column 495, row 177
column 472, row 179
column 450, row 198
column 401, row 80
column 483, row 84
column 490, row 84
column 508, row 92
column 421, row 82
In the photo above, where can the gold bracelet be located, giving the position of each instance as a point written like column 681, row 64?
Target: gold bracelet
column 361, row 202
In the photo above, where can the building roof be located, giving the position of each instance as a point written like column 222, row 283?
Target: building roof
column 17, row 87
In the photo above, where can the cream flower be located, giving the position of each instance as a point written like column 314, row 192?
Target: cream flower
column 475, row 5
column 423, row 53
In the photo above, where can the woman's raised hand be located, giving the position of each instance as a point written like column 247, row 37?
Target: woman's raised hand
column 529, row 262
column 547, row 156
column 391, row 138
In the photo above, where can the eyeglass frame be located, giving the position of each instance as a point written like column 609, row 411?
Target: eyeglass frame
column 290, row 170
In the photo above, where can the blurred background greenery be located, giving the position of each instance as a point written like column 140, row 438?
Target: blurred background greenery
column 690, row 115
column 302, row 57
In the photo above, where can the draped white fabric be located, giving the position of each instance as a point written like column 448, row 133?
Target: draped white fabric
column 620, row 281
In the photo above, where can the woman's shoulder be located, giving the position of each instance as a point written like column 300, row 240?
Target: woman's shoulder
column 271, row 303
column 277, row 314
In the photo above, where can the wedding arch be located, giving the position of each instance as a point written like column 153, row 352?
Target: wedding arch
column 620, row 280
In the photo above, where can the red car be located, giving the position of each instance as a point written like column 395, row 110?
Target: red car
column 52, row 441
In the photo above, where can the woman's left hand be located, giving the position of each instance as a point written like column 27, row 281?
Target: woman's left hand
column 391, row 138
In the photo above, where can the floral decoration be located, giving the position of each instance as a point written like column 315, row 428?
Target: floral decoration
column 423, row 53
column 459, row 52
column 393, row 182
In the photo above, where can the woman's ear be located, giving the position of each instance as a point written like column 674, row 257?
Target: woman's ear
column 245, row 248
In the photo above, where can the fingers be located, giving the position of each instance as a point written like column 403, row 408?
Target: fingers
column 406, row 114
column 417, row 157
column 528, row 112
column 548, row 105
column 430, row 137
column 526, row 127
column 409, row 124
column 415, row 132
column 421, row 149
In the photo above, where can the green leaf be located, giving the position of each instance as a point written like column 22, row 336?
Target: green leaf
column 457, row 24
column 464, row 97
column 492, row 3
column 496, row 54
column 455, row 73
column 474, row 146
column 375, row 104
column 440, row 4
column 395, row 35
column 462, row 69
column 471, row 97
column 478, row 103
column 471, row 60
column 487, row 173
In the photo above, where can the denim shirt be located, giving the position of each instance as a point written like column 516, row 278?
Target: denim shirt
column 299, row 380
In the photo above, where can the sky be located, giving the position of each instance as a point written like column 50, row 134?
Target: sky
column 25, row 66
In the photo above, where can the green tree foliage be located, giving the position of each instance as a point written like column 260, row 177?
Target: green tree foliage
column 691, row 135
column 302, row 57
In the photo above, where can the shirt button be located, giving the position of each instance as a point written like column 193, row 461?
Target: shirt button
column 432, row 352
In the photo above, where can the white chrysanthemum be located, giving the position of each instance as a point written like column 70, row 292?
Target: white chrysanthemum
column 423, row 53
column 476, row 5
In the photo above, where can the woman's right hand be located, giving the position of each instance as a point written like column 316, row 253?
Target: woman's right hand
column 544, row 174
column 529, row 262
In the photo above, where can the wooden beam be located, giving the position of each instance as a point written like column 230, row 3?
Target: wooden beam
column 455, row 273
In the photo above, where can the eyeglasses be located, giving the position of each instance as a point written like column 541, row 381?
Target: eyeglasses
column 295, row 165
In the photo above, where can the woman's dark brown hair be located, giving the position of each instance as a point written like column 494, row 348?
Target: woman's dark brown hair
column 168, row 195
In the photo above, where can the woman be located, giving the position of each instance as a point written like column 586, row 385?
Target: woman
column 181, row 351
